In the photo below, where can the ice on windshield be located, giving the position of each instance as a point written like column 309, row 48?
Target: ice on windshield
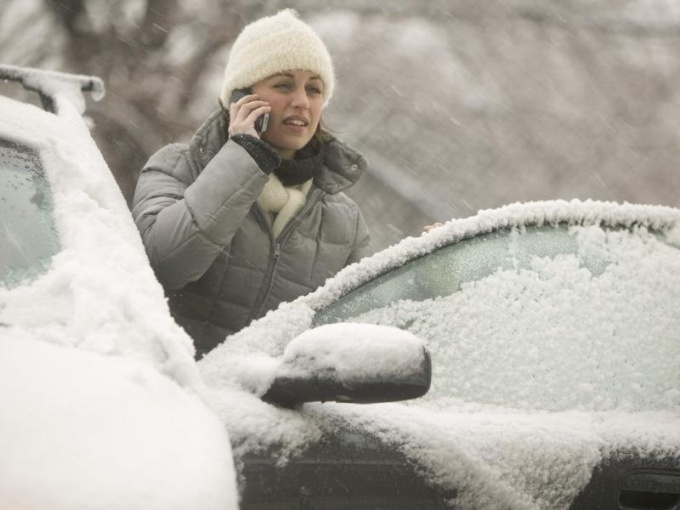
column 26, row 222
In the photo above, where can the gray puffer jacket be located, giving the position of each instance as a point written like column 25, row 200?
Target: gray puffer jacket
column 212, row 246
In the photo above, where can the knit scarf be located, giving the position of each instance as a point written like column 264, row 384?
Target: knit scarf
column 307, row 162
column 283, row 202
column 285, row 193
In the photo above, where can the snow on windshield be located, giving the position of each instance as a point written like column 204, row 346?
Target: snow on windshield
column 500, row 442
column 513, row 215
column 555, row 336
column 99, row 293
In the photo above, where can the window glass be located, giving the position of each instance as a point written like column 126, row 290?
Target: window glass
column 542, row 318
column 29, row 236
column 442, row 272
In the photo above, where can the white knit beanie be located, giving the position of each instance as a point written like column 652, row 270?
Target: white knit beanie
column 273, row 45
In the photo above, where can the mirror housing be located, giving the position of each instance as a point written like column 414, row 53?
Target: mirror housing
column 353, row 363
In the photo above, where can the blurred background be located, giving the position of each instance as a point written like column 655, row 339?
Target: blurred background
column 459, row 105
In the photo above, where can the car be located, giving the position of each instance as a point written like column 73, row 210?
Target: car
column 553, row 332
column 101, row 396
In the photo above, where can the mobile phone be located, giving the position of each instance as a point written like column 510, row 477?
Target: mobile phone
column 262, row 121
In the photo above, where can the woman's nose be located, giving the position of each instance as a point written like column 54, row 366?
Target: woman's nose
column 300, row 99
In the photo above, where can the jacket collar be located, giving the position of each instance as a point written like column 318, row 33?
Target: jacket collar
column 342, row 168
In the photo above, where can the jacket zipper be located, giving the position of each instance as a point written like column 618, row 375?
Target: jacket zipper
column 268, row 281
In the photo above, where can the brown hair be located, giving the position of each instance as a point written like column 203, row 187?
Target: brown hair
column 322, row 135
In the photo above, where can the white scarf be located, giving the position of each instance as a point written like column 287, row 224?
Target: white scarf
column 283, row 202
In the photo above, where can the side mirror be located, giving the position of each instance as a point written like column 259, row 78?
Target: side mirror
column 355, row 363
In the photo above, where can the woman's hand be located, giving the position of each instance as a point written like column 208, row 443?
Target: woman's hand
column 428, row 228
column 243, row 114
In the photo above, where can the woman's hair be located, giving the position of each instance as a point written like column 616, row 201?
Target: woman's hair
column 322, row 135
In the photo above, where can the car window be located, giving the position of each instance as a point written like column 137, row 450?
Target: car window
column 442, row 272
column 541, row 317
column 29, row 236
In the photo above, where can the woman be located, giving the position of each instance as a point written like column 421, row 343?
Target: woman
column 239, row 221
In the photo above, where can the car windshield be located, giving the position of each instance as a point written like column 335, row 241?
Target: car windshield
column 551, row 317
column 29, row 237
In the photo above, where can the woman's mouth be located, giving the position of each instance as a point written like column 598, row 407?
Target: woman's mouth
column 296, row 122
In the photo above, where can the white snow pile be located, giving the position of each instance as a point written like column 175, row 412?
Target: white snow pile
column 541, row 371
column 84, row 431
column 102, row 401
column 335, row 348
column 100, row 293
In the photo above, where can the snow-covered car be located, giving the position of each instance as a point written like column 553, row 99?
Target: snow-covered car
column 100, row 394
column 554, row 335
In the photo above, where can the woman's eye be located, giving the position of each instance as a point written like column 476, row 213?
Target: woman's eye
column 314, row 90
column 283, row 86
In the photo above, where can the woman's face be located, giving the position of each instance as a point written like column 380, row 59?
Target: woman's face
column 296, row 100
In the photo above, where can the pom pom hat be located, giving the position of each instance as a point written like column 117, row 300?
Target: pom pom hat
column 273, row 45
